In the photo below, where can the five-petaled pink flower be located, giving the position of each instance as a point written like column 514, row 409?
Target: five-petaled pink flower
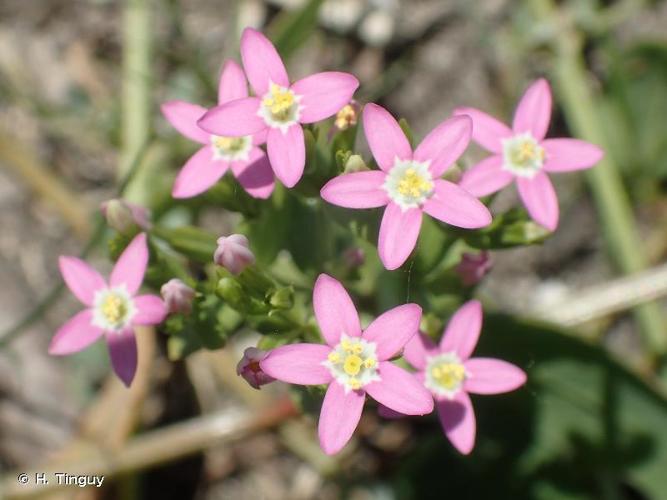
column 522, row 153
column 408, row 183
column 450, row 373
column 352, row 362
column 113, row 309
column 220, row 153
column 279, row 107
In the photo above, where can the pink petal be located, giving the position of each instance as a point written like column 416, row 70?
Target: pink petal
column 540, row 199
column 398, row 235
column 534, row 110
column 564, row 155
column 233, row 84
column 255, row 175
column 198, row 174
column 261, row 62
column 123, row 353
column 463, row 329
column 287, row 154
column 334, row 310
column 324, row 94
column 339, row 417
column 151, row 310
column 399, row 390
column 260, row 137
column 393, row 329
column 234, row 118
column 388, row 413
column 75, row 335
column 385, row 137
column 82, row 280
column 487, row 131
column 455, row 206
column 357, row 190
column 492, row 376
column 486, row 177
column 131, row 265
column 183, row 116
column 458, row 421
column 298, row 364
column 418, row 349
column 445, row 144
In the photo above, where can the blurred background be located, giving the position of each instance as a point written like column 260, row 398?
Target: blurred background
column 80, row 86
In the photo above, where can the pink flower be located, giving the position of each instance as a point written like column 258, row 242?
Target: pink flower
column 353, row 363
column 279, row 108
column 177, row 296
column 473, row 267
column 408, row 183
column 522, row 153
column 448, row 371
column 220, row 152
column 250, row 369
column 113, row 309
column 233, row 253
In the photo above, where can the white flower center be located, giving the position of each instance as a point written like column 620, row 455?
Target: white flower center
column 231, row 148
column 353, row 363
column 522, row 155
column 280, row 107
column 445, row 374
column 409, row 183
column 113, row 308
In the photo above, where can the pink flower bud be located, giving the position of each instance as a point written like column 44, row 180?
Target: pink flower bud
column 473, row 267
column 233, row 253
column 124, row 216
column 177, row 296
column 250, row 370
column 354, row 257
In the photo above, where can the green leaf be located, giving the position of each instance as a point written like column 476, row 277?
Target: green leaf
column 191, row 241
column 290, row 30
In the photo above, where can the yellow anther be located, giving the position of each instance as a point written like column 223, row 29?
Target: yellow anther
column 334, row 357
column 527, row 152
column 279, row 102
column 449, row 375
column 352, row 364
column 113, row 308
column 369, row 362
column 346, row 345
column 413, row 184
column 357, row 348
column 346, row 117
column 354, row 384
column 229, row 144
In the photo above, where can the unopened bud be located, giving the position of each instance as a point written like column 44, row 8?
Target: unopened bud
column 283, row 298
column 233, row 253
column 250, row 369
column 473, row 267
column 355, row 163
column 177, row 296
column 354, row 257
column 124, row 216
column 347, row 117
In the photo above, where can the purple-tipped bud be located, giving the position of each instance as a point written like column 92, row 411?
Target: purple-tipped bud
column 473, row 267
column 233, row 253
column 177, row 296
column 354, row 257
column 124, row 216
column 250, row 370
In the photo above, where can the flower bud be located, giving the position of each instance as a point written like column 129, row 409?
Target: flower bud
column 473, row 267
column 233, row 253
column 355, row 163
column 125, row 217
column 250, row 369
column 283, row 298
column 177, row 296
column 354, row 257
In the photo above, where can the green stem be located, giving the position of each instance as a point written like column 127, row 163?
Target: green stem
column 614, row 208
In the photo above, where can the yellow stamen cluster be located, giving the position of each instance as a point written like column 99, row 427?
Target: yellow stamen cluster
column 346, row 117
column 280, row 102
column 527, row 152
column 353, row 361
column 229, row 144
column 414, row 185
column 448, row 375
column 114, row 309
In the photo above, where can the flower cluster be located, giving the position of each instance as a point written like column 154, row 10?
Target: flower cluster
column 261, row 137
